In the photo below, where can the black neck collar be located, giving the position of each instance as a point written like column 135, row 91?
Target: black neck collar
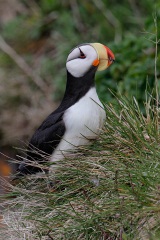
column 76, row 88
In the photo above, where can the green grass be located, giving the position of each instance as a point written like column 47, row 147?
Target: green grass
column 111, row 190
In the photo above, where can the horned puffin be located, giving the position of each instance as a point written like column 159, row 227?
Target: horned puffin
column 80, row 116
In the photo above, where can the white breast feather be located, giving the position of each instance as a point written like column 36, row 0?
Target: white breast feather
column 83, row 121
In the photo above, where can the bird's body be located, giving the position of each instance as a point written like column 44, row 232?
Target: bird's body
column 83, row 122
column 78, row 119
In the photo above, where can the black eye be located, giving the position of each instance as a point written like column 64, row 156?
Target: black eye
column 82, row 55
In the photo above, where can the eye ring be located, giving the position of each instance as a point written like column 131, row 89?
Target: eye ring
column 82, row 55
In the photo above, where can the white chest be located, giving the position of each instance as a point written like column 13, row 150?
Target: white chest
column 83, row 121
column 86, row 117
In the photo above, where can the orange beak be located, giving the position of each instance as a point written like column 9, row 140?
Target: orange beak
column 105, row 56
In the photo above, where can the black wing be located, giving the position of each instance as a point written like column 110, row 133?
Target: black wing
column 43, row 142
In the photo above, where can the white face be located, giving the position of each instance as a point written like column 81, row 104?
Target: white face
column 80, row 60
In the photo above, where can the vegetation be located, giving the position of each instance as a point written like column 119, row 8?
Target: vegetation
column 39, row 39
column 111, row 189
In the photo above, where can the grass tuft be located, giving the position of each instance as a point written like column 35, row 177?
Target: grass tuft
column 110, row 190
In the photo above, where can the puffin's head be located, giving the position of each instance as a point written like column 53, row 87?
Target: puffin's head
column 85, row 56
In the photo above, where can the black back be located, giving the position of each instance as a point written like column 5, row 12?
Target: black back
column 47, row 137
